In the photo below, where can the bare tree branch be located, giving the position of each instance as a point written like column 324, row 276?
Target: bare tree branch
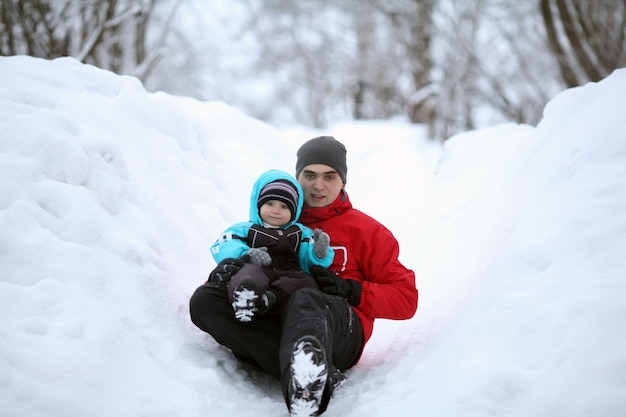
column 97, row 32
column 575, row 39
column 568, row 75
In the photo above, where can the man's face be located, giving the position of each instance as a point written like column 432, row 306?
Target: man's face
column 321, row 185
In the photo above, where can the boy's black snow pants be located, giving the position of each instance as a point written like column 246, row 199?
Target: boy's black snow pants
column 268, row 340
column 283, row 283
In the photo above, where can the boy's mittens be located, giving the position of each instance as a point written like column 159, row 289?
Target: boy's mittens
column 321, row 240
column 259, row 256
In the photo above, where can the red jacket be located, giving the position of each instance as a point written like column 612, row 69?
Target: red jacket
column 367, row 252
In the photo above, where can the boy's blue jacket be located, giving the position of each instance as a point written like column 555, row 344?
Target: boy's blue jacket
column 232, row 243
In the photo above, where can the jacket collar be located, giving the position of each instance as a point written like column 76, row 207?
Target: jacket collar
column 312, row 215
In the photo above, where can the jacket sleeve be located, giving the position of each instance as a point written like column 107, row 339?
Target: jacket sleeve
column 231, row 243
column 388, row 287
column 306, row 254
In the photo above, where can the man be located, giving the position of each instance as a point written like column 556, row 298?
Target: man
column 320, row 332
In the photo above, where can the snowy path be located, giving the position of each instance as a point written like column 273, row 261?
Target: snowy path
column 110, row 198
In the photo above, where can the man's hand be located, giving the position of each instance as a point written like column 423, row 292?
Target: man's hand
column 219, row 277
column 331, row 283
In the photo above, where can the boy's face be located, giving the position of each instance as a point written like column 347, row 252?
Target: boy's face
column 275, row 213
column 321, row 185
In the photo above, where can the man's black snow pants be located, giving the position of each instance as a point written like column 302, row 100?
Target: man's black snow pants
column 268, row 340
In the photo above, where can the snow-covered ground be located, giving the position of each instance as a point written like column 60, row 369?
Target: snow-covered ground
column 110, row 198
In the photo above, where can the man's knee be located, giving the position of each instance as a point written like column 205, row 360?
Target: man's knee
column 306, row 296
column 206, row 303
column 306, row 307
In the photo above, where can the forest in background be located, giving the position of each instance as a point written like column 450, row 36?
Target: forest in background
column 452, row 65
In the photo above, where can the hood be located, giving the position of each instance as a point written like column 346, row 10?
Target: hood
column 262, row 181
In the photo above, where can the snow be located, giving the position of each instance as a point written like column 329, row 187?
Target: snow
column 111, row 196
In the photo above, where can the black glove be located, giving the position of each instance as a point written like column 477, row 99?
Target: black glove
column 219, row 277
column 331, row 283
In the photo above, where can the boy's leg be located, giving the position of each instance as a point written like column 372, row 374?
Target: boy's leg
column 248, row 272
column 255, row 342
column 245, row 290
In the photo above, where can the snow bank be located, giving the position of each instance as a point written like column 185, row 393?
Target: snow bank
column 110, row 198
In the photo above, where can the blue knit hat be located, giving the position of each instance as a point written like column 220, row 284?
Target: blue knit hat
column 281, row 190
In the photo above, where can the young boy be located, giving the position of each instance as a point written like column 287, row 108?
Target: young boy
column 276, row 249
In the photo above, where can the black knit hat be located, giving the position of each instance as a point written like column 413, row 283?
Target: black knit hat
column 281, row 190
column 324, row 150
